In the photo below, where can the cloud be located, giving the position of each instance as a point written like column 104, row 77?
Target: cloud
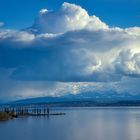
column 68, row 45
column 133, row 31
column 69, row 17
column 15, row 37
column 74, row 56
column 15, row 89
column 128, row 62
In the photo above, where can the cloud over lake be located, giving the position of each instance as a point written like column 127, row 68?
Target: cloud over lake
column 69, row 46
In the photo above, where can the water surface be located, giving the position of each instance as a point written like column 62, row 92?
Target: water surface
column 77, row 124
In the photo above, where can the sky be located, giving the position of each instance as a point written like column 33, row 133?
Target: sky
column 19, row 14
column 57, row 48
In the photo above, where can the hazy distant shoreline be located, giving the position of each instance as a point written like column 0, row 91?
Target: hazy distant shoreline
column 134, row 103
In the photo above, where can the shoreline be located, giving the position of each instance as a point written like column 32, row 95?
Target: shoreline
column 5, row 116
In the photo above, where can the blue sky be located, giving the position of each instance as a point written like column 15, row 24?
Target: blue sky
column 20, row 14
column 69, row 47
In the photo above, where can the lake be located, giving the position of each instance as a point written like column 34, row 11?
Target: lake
column 78, row 124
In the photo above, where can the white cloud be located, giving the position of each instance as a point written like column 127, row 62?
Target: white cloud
column 15, row 36
column 69, row 17
column 83, row 55
column 68, row 45
column 128, row 62
column 133, row 31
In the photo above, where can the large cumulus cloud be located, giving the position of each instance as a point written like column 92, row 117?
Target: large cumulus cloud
column 69, row 45
column 68, row 17
column 76, row 56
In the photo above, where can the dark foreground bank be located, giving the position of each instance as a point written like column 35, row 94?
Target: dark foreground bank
column 4, row 116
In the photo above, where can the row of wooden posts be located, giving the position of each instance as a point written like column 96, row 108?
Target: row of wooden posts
column 26, row 110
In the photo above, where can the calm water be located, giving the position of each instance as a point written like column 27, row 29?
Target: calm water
column 77, row 124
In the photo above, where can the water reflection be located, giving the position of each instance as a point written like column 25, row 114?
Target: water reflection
column 78, row 124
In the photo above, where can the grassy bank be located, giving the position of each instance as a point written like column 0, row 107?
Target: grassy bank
column 7, row 115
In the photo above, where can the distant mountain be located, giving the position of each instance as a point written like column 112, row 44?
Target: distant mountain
column 88, row 98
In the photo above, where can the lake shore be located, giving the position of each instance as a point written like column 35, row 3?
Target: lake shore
column 4, row 116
